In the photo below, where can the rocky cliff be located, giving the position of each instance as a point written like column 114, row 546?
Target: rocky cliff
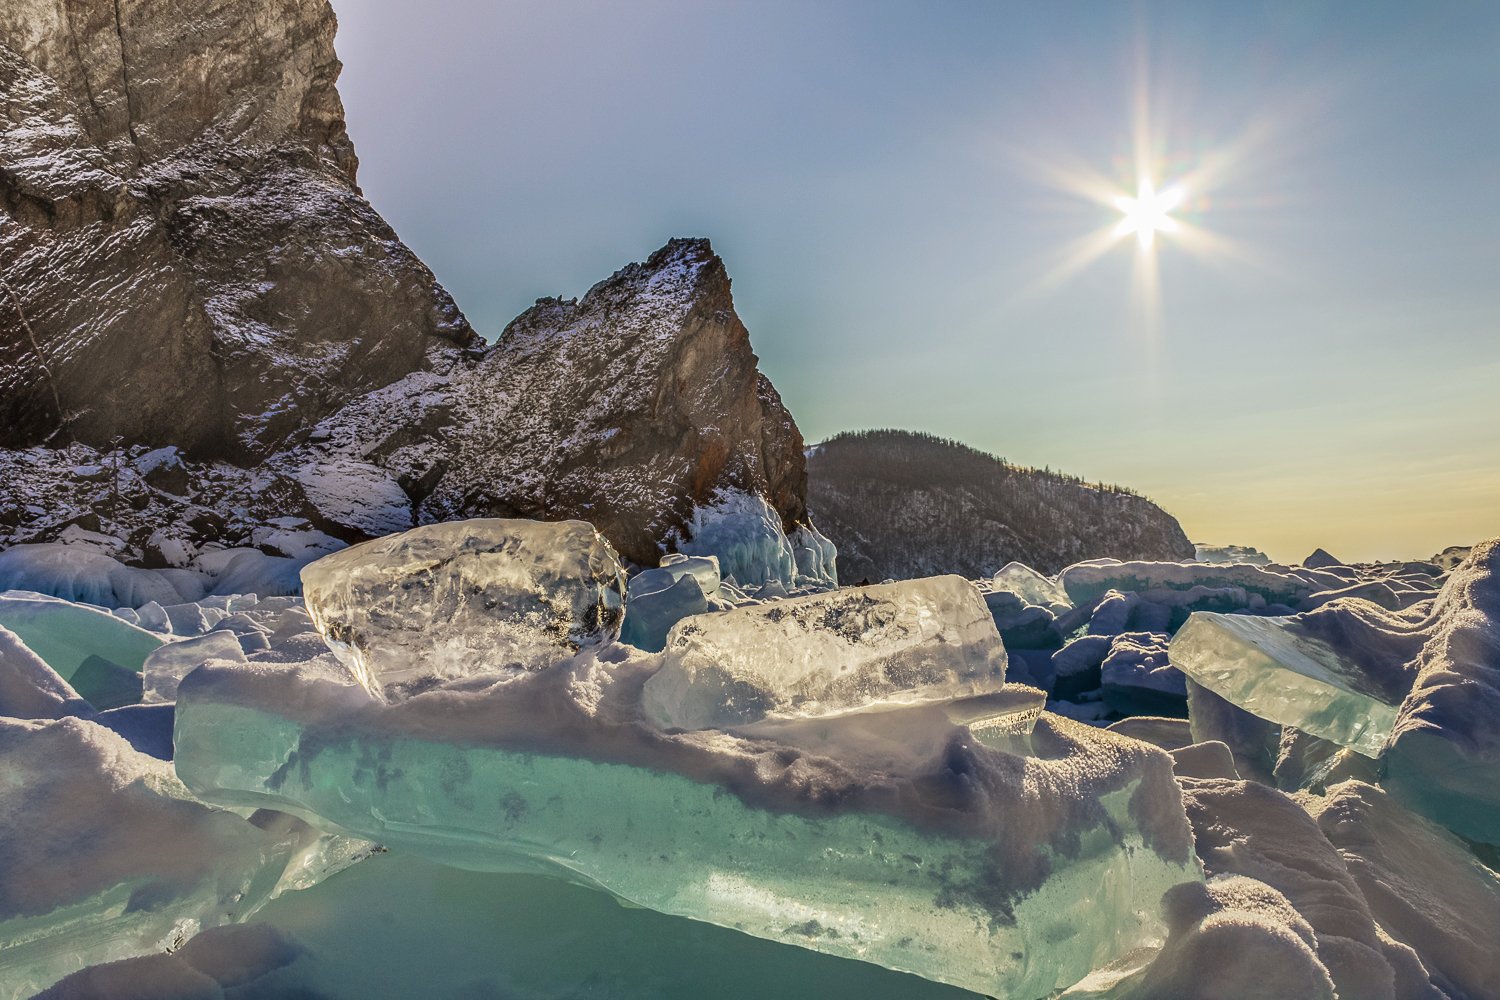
column 186, row 256
column 904, row 505
column 638, row 407
column 208, row 337
column 631, row 407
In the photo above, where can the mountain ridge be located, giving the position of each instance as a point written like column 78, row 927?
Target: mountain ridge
column 900, row 504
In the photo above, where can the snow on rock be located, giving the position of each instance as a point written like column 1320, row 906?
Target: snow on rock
column 482, row 596
column 630, row 408
column 362, row 499
column 1012, row 871
column 99, row 655
column 195, row 260
column 826, row 654
column 905, row 505
column 107, row 857
column 1322, row 559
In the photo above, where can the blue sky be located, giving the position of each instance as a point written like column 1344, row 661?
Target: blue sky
column 887, row 184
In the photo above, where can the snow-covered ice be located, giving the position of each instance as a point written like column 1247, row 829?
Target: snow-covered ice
column 107, row 856
column 1011, row 871
column 168, row 664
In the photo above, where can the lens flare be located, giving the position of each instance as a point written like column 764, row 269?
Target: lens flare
column 1147, row 213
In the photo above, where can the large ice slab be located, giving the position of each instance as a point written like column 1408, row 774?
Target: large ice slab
column 1283, row 670
column 1087, row 582
column 107, row 857
column 825, row 654
column 1009, row 871
column 99, row 655
column 466, row 597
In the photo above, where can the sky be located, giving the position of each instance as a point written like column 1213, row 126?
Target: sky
column 903, row 192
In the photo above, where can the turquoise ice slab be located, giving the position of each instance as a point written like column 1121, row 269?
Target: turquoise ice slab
column 398, row 925
column 1279, row 670
column 98, row 654
column 1010, row 872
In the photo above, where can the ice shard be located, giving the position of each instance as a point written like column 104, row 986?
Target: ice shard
column 99, row 655
column 824, row 654
column 483, row 596
column 1283, row 670
column 1012, row 871
column 1031, row 586
column 170, row 663
column 659, row 598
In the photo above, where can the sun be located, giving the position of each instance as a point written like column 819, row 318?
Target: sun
column 1148, row 213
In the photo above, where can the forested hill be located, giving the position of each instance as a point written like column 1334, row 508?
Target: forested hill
column 901, row 504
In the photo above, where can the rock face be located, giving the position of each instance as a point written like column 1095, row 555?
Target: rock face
column 901, row 505
column 187, row 261
column 638, row 408
column 629, row 408
column 187, row 258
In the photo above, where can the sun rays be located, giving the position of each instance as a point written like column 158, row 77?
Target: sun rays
column 1160, row 192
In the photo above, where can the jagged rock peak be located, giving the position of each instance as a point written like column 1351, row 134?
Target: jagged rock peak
column 632, row 408
column 638, row 402
column 1322, row 559
column 187, row 258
